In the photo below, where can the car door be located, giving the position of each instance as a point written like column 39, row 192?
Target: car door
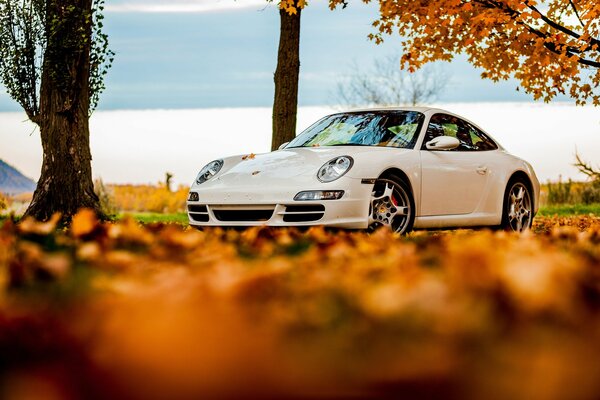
column 453, row 182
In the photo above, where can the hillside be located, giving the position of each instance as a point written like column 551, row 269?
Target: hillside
column 14, row 182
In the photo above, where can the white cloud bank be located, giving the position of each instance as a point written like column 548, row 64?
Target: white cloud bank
column 140, row 146
column 184, row 6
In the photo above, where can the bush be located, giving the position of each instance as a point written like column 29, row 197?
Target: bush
column 560, row 193
column 140, row 198
column 3, row 203
column 149, row 198
column 591, row 193
column 105, row 195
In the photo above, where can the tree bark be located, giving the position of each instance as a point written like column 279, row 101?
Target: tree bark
column 285, row 105
column 65, row 184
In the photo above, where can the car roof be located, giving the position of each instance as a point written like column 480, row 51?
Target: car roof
column 395, row 108
column 421, row 109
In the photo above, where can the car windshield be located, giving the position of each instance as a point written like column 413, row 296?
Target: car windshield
column 372, row 128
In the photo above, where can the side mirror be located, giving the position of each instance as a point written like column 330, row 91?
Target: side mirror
column 283, row 145
column 443, row 143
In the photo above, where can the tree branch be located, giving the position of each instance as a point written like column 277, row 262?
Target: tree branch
column 569, row 50
column 559, row 27
column 586, row 168
column 589, row 63
column 576, row 13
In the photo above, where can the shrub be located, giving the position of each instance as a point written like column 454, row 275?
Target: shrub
column 559, row 192
column 591, row 193
column 149, row 198
column 105, row 195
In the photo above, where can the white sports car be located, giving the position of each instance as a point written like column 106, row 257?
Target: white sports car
column 402, row 168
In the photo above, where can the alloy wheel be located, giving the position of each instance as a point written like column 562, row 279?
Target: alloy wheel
column 390, row 206
column 519, row 208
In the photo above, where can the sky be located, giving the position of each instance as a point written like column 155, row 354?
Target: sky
column 222, row 53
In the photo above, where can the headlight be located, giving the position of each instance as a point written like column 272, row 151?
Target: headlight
column 335, row 169
column 319, row 195
column 210, row 170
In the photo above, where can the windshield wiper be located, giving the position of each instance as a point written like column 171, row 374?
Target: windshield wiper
column 349, row 144
column 329, row 145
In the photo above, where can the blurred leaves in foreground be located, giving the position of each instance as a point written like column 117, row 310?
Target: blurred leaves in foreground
column 158, row 311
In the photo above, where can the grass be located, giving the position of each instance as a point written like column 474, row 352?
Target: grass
column 566, row 210
column 142, row 217
column 563, row 210
column 148, row 218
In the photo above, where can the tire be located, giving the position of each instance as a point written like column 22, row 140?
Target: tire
column 517, row 211
column 396, row 212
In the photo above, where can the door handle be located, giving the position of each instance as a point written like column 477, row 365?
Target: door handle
column 482, row 170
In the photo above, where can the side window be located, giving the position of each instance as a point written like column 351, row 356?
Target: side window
column 442, row 125
column 480, row 141
column 471, row 138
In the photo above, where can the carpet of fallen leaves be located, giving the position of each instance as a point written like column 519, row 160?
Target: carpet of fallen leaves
column 124, row 311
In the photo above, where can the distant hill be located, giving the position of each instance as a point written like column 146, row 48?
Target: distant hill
column 13, row 182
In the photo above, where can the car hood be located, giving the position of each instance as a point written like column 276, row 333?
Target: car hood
column 300, row 164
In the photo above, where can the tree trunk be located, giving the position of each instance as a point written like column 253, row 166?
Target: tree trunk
column 285, row 105
column 65, row 184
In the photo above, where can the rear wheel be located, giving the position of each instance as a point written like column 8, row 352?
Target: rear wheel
column 391, row 205
column 518, row 207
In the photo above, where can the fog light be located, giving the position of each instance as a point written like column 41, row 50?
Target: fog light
column 319, row 195
column 193, row 197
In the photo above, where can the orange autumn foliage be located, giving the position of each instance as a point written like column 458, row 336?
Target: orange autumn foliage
column 551, row 47
column 125, row 311
column 292, row 6
column 148, row 198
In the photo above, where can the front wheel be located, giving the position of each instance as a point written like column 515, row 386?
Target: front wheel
column 391, row 206
column 518, row 207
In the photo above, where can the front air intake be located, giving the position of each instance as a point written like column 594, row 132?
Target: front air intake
column 308, row 213
column 243, row 215
column 198, row 213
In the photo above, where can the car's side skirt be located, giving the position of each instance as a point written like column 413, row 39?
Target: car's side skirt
column 448, row 221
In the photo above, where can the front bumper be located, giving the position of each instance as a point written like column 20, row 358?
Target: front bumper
column 275, row 206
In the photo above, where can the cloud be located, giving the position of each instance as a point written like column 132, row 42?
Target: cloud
column 183, row 6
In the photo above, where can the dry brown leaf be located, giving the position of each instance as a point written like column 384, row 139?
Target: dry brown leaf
column 83, row 222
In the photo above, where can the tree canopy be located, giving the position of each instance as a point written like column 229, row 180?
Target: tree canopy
column 27, row 29
column 551, row 46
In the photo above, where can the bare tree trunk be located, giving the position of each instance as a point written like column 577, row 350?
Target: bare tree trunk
column 65, row 183
column 285, row 105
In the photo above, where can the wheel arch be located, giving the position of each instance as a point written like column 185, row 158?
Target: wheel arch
column 401, row 174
